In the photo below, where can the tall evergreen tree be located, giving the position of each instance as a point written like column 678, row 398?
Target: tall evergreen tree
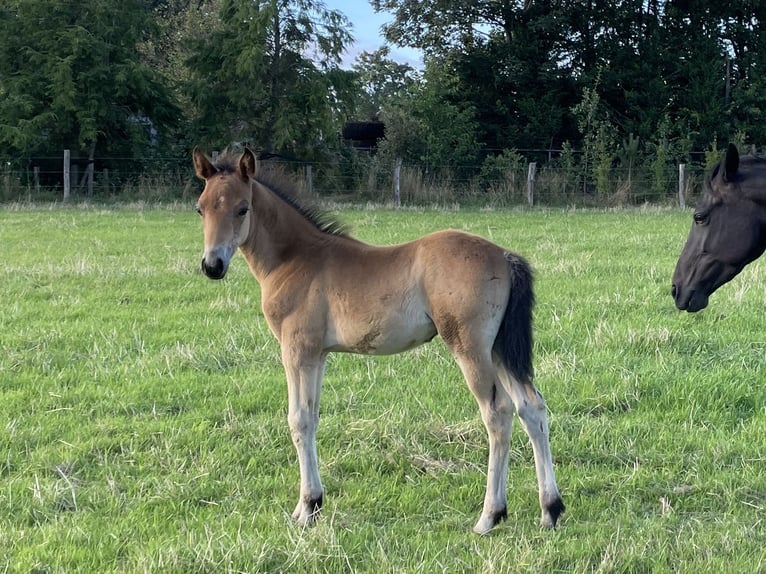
column 72, row 78
column 268, row 74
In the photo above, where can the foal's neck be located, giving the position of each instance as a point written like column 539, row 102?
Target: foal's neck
column 278, row 233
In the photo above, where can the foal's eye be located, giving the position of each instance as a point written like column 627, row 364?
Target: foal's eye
column 242, row 211
column 700, row 218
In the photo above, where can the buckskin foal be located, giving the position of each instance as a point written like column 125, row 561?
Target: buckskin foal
column 324, row 291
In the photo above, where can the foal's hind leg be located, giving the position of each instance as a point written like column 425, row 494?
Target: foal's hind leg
column 530, row 406
column 496, row 410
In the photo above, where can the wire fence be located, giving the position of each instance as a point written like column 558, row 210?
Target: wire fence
column 359, row 178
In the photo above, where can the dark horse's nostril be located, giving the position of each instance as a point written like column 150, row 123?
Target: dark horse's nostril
column 673, row 291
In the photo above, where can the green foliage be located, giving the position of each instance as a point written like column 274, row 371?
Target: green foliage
column 145, row 428
column 523, row 66
column 712, row 156
column 71, row 78
column 252, row 81
column 660, row 168
column 405, row 134
column 148, row 80
column 629, row 159
column 568, row 164
column 604, row 157
column 598, row 144
column 384, row 83
column 504, row 174
column 450, row 137
column 431, row 127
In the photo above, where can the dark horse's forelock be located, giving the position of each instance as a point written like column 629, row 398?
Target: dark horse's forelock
column 281, row 184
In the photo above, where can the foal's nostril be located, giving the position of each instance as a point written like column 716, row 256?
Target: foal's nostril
column 215, row 271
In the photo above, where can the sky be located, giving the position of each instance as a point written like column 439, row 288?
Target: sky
column 366, row 31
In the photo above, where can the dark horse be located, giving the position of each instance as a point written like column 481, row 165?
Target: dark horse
column 729, row 230
column 323, row 291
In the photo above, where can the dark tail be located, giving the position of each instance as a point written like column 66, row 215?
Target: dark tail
column 513, row 344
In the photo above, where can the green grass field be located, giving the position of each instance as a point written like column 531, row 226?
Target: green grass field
column 144, row 410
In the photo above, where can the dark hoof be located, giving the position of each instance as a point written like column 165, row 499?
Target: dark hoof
column 555, row 509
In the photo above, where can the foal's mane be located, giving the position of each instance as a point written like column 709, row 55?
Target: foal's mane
column 282, row 185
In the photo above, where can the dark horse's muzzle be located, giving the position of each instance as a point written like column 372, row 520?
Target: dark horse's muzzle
column 216, row 270
column 689, row 300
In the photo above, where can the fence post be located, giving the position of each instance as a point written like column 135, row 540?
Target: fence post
column 67, row 182
column 309, row 180
column 36, row 178
column 682, row 185
column 531, row 183
column 397, row 183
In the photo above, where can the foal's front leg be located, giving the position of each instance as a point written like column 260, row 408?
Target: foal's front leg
column 304, row 386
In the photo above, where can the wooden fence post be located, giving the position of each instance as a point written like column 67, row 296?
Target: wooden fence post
column 682, row 185
column 397, row 183
column 309, row 180
column 36, row 178
column 89, row 178
column 67, row 182
column 531, row 183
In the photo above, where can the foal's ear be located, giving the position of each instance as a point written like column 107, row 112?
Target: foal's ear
column 731, row 163
column 247, row 164
column 202, row 165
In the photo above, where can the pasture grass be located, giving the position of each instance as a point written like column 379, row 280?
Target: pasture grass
column 144, row 410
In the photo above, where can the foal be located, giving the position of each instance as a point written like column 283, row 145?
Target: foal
column 324, row 291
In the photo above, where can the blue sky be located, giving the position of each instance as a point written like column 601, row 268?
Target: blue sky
column 366, row 30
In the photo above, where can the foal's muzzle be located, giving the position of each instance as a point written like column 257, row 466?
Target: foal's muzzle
column 215, row 269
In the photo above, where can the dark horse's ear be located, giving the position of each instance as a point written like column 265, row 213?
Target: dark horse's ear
column 202, row 165
column 247, row 164
column 731, row 163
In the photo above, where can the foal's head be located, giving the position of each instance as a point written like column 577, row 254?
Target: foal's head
column 225, row 206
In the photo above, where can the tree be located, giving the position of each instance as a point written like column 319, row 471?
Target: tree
column 503, row 62
column 744, row 41
column 268, row 74
column 72, row 77
column 382, row 82
column 523, row 65
column 696, row 74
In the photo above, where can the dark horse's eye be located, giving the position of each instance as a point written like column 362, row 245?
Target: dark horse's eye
column 700, row 218
column 242, row 211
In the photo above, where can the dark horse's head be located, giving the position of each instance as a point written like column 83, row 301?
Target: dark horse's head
column 728, row 232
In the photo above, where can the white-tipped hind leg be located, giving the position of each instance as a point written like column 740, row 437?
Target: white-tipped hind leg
column 530, row 406
column 304, row 384
column 496, row 410
column 497, row 414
